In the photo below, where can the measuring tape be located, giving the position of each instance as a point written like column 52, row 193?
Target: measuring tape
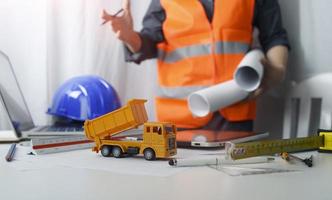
column 60, row 144
column 322, row 142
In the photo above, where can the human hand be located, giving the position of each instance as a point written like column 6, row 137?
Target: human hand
column 107, row 17
column 122, row 26
column 273, row 75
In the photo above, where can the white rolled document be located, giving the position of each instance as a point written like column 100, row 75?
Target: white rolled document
column 247, row 78
column 249, row 72
column 211, row 99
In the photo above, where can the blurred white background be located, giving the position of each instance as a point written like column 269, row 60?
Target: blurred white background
column 49, row 41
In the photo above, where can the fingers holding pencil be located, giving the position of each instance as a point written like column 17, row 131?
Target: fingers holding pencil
column 122, row 25
column 107, row 17
column 125, row 8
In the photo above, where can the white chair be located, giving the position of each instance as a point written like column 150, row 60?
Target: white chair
column 308, row 107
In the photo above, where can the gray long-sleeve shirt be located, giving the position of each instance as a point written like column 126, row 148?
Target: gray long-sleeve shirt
column 267, row 18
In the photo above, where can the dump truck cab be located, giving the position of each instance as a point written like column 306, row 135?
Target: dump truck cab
column 160, row 138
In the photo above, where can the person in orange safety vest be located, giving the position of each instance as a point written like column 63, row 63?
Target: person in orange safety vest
column 199, row 43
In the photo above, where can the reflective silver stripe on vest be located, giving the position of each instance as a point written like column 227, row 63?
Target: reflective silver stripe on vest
column 178, row 92
column 231, row 47
column 201, row 50
column 184, row 52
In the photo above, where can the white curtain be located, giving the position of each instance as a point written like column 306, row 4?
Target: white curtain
column 78, row 44
column 309, row 30
column 23, row 40
column 308, row 23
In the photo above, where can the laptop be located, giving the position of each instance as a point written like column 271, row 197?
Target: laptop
column 215, row 139
column 16, row 110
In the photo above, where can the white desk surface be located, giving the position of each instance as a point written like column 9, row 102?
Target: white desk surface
column 194, row 183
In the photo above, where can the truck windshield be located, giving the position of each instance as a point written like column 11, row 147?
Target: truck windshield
column 169, row 129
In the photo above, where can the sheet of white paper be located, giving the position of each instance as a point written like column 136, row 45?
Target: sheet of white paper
column 86, row 159
column 247, row 78
column 249, row 72
column 7, row 135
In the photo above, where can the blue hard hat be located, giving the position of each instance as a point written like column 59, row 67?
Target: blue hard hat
column 84, row 97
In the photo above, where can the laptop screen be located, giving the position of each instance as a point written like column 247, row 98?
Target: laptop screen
column 12, row 97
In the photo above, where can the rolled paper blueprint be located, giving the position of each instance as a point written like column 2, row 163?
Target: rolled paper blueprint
column 211, row 99
column 249, row 72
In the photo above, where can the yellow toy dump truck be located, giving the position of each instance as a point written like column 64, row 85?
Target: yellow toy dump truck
column 158, row 141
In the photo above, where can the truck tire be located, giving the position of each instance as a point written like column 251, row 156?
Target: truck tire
column 105, row 151
column 117, row 152
column 149, row 154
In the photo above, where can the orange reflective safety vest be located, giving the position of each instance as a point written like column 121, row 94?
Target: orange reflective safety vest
column 197, row 54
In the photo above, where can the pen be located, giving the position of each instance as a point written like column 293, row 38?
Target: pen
column 216, row 161
column 11, row 152
column 116, row 14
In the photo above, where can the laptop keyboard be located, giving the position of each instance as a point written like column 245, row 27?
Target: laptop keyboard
column 60, row 129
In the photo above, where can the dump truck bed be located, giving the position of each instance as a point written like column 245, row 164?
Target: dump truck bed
column 127, row 117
